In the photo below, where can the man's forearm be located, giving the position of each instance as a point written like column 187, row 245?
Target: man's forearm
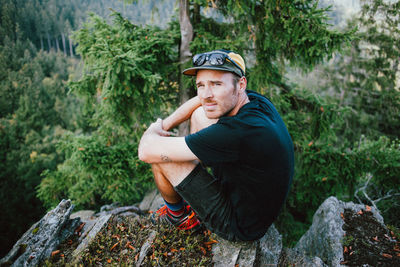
column 182, row 114
column 156, row 147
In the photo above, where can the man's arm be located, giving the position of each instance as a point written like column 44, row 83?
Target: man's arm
column 183, row 113
column 156, row 147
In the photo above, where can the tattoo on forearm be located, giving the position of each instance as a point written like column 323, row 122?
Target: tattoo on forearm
column 165, row 158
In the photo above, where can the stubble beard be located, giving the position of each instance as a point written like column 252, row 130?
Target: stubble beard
column 235, row 88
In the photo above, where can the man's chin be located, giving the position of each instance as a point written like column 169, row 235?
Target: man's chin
column 212, row 115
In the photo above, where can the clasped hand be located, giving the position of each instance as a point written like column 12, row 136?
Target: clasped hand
column 157, row 129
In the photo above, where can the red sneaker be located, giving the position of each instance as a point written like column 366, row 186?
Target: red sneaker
column 187, row 221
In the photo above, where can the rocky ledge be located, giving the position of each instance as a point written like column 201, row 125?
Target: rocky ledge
column 124, row 235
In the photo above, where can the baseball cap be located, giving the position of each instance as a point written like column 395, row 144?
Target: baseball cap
column 224, row 60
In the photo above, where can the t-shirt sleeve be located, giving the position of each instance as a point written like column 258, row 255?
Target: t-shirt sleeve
column 217, row 143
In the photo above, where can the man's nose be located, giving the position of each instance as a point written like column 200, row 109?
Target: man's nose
column 208, row 92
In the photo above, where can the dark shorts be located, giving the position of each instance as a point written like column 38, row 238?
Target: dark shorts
column 204, row 194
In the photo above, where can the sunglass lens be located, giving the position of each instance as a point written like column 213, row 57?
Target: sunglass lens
column 217, row 59
column 199, row 59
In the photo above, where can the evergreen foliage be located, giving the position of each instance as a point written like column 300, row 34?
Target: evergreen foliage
column 35, row 110
column 366, row 77
column 280, row 32
column 124, row 86
column 365, row 80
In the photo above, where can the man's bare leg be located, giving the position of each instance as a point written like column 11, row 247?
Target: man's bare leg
column 170, row 174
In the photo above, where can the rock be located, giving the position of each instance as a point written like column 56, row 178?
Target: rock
column 88, row 220
column 227, row 253
column 109, row 207
column 152, row 201
column 263, row 252
column 90, row 235
column 83, row 214
column 247, row 255
column 129, row 213
column 120, row 210
column 145, row 248
column 292, row 257
column 69, row 229
column 157, row 202
column 270, row 247
column 43, row 237
column 148, row 200
column 324, row 238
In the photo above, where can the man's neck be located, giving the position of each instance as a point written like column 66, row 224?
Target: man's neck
column 243, row 100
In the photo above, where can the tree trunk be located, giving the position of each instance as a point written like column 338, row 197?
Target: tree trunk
column 57, row 44
column 41, row 43
column 48, row 41
column 196, row 14
column 184, row 54
column 63, row 43
column 71, row 52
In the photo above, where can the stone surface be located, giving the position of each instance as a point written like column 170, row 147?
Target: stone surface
column 88, row 220
column 292, row 257
column 87, row 226
column 109, row 207
column 83, row 214
column 43, row 237
column 270, row 247
column 227, row 253
column 157, row 202
column 120, row 210
column 324, row 237
column 91, row 234
column 247, row 254
column 148, row 200
column 145, row 248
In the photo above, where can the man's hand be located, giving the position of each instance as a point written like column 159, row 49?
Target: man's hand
column 157, row 146
column 157, row 129
column 183, row 113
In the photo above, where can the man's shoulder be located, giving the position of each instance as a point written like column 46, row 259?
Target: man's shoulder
column 257, row 97
column 259, row 105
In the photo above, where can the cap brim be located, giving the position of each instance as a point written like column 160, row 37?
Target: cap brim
column 193, row 71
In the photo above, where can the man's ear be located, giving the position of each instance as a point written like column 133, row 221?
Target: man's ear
column 242, row 84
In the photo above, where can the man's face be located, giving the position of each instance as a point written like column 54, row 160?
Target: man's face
column 217, row 92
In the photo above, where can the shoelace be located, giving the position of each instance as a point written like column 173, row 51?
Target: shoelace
column 162, row 211
column 187, row 224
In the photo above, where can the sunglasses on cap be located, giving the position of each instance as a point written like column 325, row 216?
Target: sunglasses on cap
column 214, row 59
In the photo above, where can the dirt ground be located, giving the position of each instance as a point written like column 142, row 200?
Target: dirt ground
column 120, row 242
column 369, row 242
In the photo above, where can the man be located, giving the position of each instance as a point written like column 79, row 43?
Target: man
column 236, row 132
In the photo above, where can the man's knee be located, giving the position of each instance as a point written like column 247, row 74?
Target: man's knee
column 199, row 120
column 174, row 172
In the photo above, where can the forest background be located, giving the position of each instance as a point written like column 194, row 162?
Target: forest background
column 77, row 91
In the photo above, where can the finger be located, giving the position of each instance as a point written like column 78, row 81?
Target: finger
column 173, row 134
column 166, row 133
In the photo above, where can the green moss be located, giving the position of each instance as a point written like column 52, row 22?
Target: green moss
column 347, row 240
column 395, row 231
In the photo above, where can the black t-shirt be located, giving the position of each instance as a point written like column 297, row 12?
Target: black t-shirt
column 251, row 153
